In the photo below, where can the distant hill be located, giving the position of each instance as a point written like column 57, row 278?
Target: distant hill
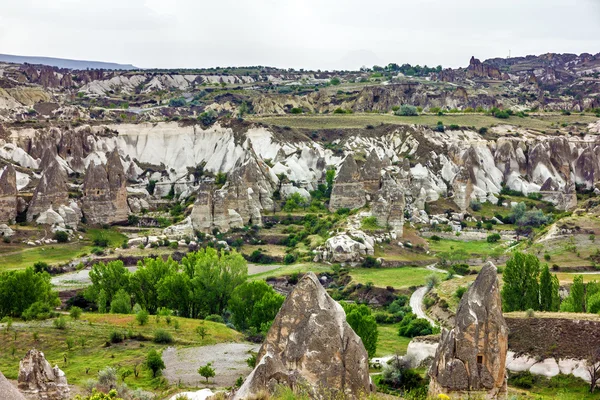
column 64, row 63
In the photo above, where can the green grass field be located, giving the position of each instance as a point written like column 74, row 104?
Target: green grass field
column 398, row 278
column 84, row 362
column 291, row 269
column 389, row 342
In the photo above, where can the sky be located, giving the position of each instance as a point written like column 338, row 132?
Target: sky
column 310, row 34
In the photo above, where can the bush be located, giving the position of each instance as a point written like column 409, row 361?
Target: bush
column 475, row 205
column 162, row 336
column 502, row 114
column 289, row 259
column 38, row 311
column 154, row 362
column 121, row 303
column 215, row 318
column 483, row 130
column 116, row 336
column 371, row 262
column 412, row 326
column 142, row 317
column 61, row 236
column 523, row 380
column 60, row 323
column 40, row 267
column 407, row 111
column 207, row 371
column 530, row 313
column 75, row 312
column 432, row 280
column 454, row 127
column 398, row 375
column 460, row 269
column 460, row 291
column 493, row 238
column 435, row 238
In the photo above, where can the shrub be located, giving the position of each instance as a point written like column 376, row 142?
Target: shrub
column 335, row 81
column 370, row 262
column 460, row 291
column 483, row 130
column 460, row 269
column 407, row 111
column 155, row 362
column 493, row 238
column 432, row 280
column 116, row 336
column 215, row 318
column 61, row 236
column 502, row 114
column 435, row 238
column 412, row 326
column 142, row 317
column 454, row 127
column 475, row 205
column 75, row 312
column 523, row 380
column 398, row 375
column 41, row 266
column 60, row 323
column 530, row 313
column 289, row 259
column 38, row 310
column 162, row 336
column 121, row 303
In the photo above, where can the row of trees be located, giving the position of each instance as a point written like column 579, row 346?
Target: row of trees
column 529, row 286
column 206, row 282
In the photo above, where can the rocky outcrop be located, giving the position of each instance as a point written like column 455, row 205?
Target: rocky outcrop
column 8, row 194
column 388, row 205
column 105, row 192
column 247, row 192
column 477, row 69
column 311, row 345
column 348, row 190
column 472, row 356
column 8, row 391
column 347, row 248
column 39, row 381
column 51, row 191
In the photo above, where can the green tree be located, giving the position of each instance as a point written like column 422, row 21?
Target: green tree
column 546, row 288
column 144, row 283
column 207, row 371
column 254, row 305
column 577, row 294
column 521, row 288
column 110, row 278
column 21, row 289
column 141, row 317
column 154, row 362
column 555, row 293
column 121, row 303
column 361, row 320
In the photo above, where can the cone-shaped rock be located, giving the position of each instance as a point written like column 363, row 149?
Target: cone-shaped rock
column 8, row 194
column 348, row 189
column 51, row 191
column 310, row 345
column 472, row 356
column 8, row 391
column 38, row 380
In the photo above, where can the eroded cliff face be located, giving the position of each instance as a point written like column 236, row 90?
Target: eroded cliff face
column 390, row 168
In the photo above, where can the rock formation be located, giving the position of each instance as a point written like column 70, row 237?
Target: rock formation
column 8, row 391
column 38, row 380
column 477, row 69
column 345, row 249
column 105, row 192
column 247, row 192
column 8, row 194
column 348, row 190
column 310, row 345
column 388, row 205
column 51, row 191
column 471, row 358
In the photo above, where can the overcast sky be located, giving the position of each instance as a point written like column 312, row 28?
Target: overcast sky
column 316, row 34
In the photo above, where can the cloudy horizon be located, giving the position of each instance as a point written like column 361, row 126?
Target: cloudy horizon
column 309, row 34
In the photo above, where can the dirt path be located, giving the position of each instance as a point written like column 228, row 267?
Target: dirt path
column 416, row 303
column 228, row 360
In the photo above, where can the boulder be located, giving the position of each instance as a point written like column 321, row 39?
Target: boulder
column 38, row 380
column 8, row 194
column 471, row 358
column 6, row 231
column 8, row 391
column 51, row 191
column 310, row 345
column 345, row 249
